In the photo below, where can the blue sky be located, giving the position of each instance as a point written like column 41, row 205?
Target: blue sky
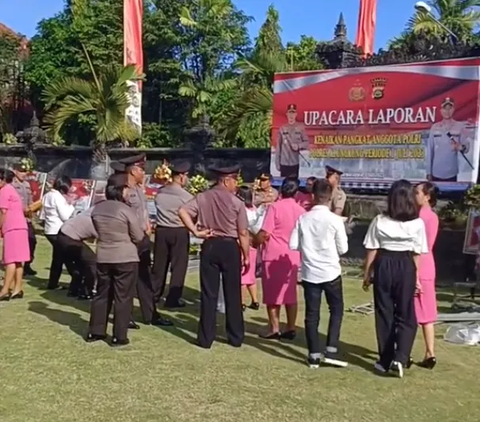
column 310, row 17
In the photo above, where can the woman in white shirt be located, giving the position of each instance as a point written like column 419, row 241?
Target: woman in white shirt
column 394, row 242
column 57, row 210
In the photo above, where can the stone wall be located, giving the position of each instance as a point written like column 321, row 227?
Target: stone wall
column 76, row 161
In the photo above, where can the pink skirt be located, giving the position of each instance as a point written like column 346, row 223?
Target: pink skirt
column 249, row 278
column 426, row 303
column 15, row 247
column 279, row 282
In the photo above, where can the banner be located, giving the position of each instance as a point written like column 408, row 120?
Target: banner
column 472, row 233
column 367, row 19
column 37, row 184
column 380, row 124
column 80, row 194
column 133, row 54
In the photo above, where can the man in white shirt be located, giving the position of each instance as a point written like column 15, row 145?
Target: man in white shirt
column 321, row 238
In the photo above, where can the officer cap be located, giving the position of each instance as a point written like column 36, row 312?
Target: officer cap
column 448, row 102
column 118, row 180
column 330, row 170
column 180, row 166
column 118, row 167
column 225, row 170
column 134, row 160
column 292, row 107
column 265, row 176
column 22, row 167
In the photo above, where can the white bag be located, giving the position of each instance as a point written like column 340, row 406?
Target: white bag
column 463, row 334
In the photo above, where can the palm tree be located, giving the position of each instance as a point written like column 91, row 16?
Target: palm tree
column 460, row 16
column 105, row 98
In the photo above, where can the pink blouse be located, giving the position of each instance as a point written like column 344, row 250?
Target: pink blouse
column 279, row 224
column 14, row 218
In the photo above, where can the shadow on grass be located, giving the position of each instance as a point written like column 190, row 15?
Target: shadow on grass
column 69, row 319
column 186, row 325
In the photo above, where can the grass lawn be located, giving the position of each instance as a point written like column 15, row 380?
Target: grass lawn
column 48, row 373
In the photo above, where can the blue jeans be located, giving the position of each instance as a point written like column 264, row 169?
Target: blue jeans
column 313, row 298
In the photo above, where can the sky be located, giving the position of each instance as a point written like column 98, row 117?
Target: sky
column 316, row 18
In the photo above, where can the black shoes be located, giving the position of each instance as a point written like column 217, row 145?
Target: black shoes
column 132, row 325
column 18, row 295
column 117, row 342
column 5, row 297
column 255, row 306
column 91, row 338
column 271, row 336
column 175, row 305
column 428, row 363
column 29, row 271
column 288, row 335
column 313, row 363
column 162, row 322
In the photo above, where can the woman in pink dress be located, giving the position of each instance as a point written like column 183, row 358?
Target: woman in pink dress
column 425, row 301
column 280, row 264
column 16, row 250
column 249, row 280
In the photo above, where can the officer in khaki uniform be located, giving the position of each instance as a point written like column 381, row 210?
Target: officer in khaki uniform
column 446, row 141
column 265, row 194
column 25, row 192
column 292, row 139
column 134, row 168
column 339, row 198
column 172, row 239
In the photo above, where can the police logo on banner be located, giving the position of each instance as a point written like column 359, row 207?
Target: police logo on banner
column 378, row 88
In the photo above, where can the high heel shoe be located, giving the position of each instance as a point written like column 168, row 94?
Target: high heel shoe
column 5, row 297
column 428, row 363
column 18, row 295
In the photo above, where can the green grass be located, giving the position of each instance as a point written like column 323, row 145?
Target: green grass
column 48, row 373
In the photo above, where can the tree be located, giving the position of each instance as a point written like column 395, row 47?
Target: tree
column 56, row 49
column 12, row 84
column 104, row 99
column 216, row 34
column 269, row 41
column 302, row 56
column 460, row 16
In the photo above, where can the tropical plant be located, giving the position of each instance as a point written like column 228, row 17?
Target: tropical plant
column 10, row 139
column 460, row 16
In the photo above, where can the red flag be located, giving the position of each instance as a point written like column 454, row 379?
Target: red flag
column 132, row 33
column 133, row 54
column 367, row 19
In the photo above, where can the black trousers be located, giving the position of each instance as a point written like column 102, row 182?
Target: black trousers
column 84, row 260
column 115, row 283
column 56, row 266
column 288, row 171
column 220, row 257
column 171, row 249
column 145, row 287
column 394, row 283
column 313, row 299
column 32, row 241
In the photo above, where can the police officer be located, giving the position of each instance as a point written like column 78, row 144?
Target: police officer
column 265, row 194
column 446, row 140
column 24, row 190
column 221, row 219
column 292, row 139
column 135, row 171
column 172, row 239
column 339, row 198
column 70, row 238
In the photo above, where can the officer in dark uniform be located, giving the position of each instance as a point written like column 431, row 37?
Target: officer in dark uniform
column 24, row 190
column 221, row 219
column 135, row 171
column 172, row 239
column 339, row 197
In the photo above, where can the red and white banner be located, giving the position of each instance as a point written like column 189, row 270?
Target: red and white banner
column 133, row 54
column 367, row 19
column 380, row 124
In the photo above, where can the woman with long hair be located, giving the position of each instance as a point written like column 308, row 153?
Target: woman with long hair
column 249, row 282
column 56, row 210
column 426, row 302
column 394, row 242
column 119, row 231
column 14, row 230
column 280, row 263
